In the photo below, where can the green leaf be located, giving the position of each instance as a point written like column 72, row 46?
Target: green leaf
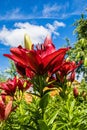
column 53, row 117
column 54, row 126
column 49, row 90
column 42, row 125
column 44, row 101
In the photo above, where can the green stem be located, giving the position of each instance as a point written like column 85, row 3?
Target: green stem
column 2, row 124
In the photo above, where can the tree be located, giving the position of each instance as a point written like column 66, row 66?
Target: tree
column 79, row 51
column 11, row 71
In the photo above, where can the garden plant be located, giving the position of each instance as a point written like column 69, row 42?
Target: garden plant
column 42, row 92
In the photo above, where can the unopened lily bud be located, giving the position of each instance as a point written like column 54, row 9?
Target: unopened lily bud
column 48, row 41
column 75, row 92
column 67, row 59
column 72, row 77
column 85, row 62
column 27, row 42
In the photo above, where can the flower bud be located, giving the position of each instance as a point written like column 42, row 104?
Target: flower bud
column 67, row 59
column 72, row 77
column 75, row 92
column 84, row 94
column 27, row 42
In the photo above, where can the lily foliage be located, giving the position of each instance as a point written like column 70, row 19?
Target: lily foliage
column 41, row 95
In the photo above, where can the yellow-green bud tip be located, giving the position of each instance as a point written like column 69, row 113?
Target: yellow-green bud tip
column 27, row 42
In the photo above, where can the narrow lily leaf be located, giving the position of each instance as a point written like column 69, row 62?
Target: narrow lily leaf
column 42, row 125
column 53, row 117
column 47, row 91
column 44, row 101
column 54, row 126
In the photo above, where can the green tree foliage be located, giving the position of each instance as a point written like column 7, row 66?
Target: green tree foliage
column 2, row 77
column 11, row 71
column 79, row 51
column 81, row 27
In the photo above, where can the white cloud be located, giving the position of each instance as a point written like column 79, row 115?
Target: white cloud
column 55, row 11
column 55, row 25
column 50, row 10
column 64, row 10
column 14, row 37
column 12, row 14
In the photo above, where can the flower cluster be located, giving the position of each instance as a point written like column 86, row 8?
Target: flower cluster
column 39, row 66
column 9, row 93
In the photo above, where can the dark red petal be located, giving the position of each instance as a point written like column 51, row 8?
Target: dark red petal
column 54, row 59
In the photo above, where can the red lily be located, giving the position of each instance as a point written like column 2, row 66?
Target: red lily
column 9, row 86
column 67, row 69
column 21, row 70
column 35, row 62
column 46, row 48
column 24, row 71
column 5, row 109
column 23, row 84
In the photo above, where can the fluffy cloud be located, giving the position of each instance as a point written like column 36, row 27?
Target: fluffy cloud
column 55, row 26
column 14, row 37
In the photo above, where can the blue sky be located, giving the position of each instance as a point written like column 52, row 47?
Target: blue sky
column 37, row 18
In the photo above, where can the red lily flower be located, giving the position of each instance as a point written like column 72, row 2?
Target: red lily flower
column 24, row 71
column 21, row 70
column 67, row 69
column 5, row 109
column 9, row 86
column 35, row 62
column 46, row 48
column 45, row 59
column 23, row 84
column 2, row 110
